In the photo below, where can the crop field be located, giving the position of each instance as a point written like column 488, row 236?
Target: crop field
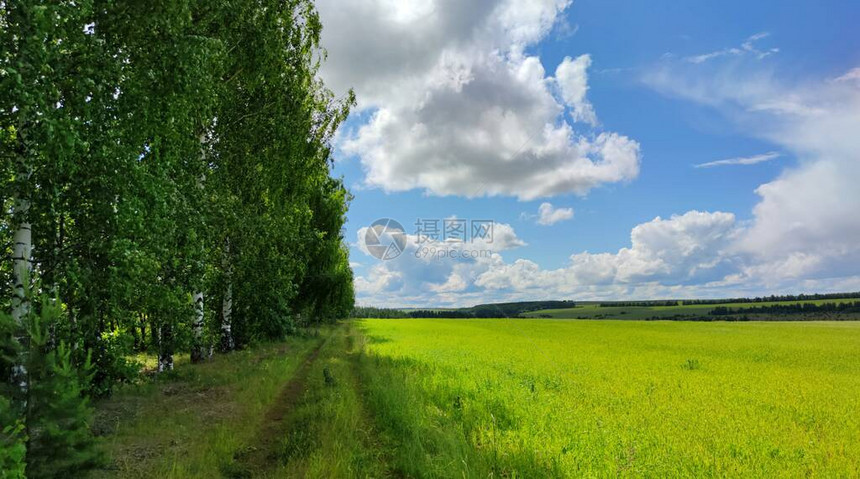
column 595, row 311
column 543, row 397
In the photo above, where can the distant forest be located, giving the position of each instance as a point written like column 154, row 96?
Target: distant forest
column 498, row 310
column 775, row 299
column 791, row 306
column 639, row 304
column 761, row 299
column 789, row 309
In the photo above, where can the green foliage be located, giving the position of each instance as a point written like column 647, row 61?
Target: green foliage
column 161, row 149
column 13, row 448
column 46, row 424
column 492, row 310
column 58, row 415
column 147, row 136
column 61, row 442
column 372, row 312
column 692, row 365
column 13, row 438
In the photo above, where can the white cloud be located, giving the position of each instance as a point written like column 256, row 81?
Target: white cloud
column 379, row 280
column 802, row 236
column 456, row 107
column 572, row 78
column 852, row 75
column 693, row 255
column 747, row 48
column 548, row 215
column 805, row 224
column 682, row 249
column 685, row 249
column 450, row 97
column 454, row 283
column 431, row 267
column 689, row 249
column 744, row 160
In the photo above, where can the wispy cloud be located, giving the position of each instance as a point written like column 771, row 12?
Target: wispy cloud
column 853, row 75
column 549, row 215
column 743, row 160
column 746, row 48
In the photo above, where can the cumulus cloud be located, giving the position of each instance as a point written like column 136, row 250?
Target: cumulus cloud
column 802, row 235
column 687, row 248
column 743, row 160
column 692, row 255
column 455, row 106
column 431, row 266
column 805, row 224
column 452, row 103
column 549, row 215
column 572, row 78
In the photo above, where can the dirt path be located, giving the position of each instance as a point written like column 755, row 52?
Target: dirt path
column 263, row 455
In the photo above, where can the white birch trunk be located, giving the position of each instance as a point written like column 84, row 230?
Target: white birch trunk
column 198, row 351
column 165, row 363
column 21, row 264
column 226, row 313
column 165, row 349
column 21, row 270
column 227, row 343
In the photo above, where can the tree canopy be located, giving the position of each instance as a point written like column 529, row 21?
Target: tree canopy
column 165, row 169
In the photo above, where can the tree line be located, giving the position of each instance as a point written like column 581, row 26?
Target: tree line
column 790, row 309
column 366, row 312
column 638, row 304
column 493, row 310
column 776, row 299
column 165, row 181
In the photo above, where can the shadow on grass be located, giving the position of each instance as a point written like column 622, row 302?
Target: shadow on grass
column 435, row 429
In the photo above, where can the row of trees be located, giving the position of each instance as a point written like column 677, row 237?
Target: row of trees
column 493, row 310
column 639, row 304
column 364, row 312
column 775, row 299
column 790, row 309
column 165, row 186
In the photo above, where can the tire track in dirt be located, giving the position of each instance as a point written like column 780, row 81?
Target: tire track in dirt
column 263, row 454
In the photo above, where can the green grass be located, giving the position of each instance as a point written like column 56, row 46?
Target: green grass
column 505, row 398
column 191, row 422
column 545, row 398
column 595, row 311
column 329, row 433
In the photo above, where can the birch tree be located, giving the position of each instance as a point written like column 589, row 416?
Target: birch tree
column 109, row 203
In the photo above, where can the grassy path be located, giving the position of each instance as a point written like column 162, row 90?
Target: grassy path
column 190, row 423
column 263, row 455
column 294, row 409
column 329, row 432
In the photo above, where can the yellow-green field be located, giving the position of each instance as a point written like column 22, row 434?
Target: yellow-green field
column 537, row 398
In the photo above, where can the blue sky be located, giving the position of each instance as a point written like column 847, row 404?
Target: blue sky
column 489, row 109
